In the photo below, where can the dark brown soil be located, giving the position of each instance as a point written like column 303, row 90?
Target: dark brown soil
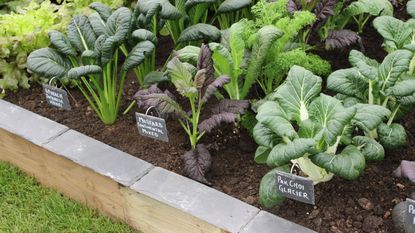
column 363, row 205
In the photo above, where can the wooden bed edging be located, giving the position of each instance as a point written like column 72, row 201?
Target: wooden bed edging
column 148, row 198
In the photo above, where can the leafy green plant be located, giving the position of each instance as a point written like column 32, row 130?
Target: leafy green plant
column 20, row 34
column 229, row 12
column 386, row 84
column 196, row 84
column 90, row 55
column 314, row 132
column 179, row 17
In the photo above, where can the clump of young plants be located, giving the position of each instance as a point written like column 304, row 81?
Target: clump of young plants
column 387, row 84
column 197, row 84
column 90, row 54
column 300, row 127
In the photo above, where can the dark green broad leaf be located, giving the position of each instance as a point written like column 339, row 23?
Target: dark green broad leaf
column 370, row 148
column 48, row 63
column 372, row 7
column 348, row 164
column 369, row 116
column 191, row 3
column 89, row 54
column 168, row 10
column 297, row 92
column 401, row 89
column 268, row 195
column 119, row 24
column 108, row 47
column 393, row 30
column 103, row 10
column 200, row 31
column 78, row 72
column 261, row 154
column 80, row 33
column 392, row 136
column 264, row 136
column 348, row 82
column 332, row 116
column 154, row 77
column 98, row 24
column 143, row 34
column 271, row 115
column 138, row 54
column 283, row 153
column 367, row 67
column 393, row 66
column 61, row 43
column 233, row 5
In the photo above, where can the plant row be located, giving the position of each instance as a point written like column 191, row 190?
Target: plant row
column 266, row 45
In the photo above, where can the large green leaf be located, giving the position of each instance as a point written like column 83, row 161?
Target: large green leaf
column 348, row 82
column 348, row 164
column 261, row 154
column 143, row 34
column 297, row 92
column 119, row 24
column 233, row 5
column 188, row 54
column 392, row 136
column 332, row 116
column 192, row 3
column 401, row 89
column 393, row 66
column 48, row 63
column 265, row 37
column 103, row 10
column 200, row 31
column 271, row 115
column 168, row 10
column 268, row 195
column 181, row 75
column 61, row 43
column 222, row 59
column 410, row 8
column 263, row 136
column 366, row 66
column 237, row 46
column 393, row 30
column 98, row 24
column 137, row 55
column 283, row 153
column 369, row 116
column 372, row 7
column 370, row 148
column 77, row 72
column 108, row 49
column 80, row 33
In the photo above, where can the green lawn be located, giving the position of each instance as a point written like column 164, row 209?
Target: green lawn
column 27, row 207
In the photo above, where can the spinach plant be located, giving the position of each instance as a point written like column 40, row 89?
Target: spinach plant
column 196, row 84
column 229, row 12
column 185, row 20
column 315, row 132
column 387, row 84
column 90, row 54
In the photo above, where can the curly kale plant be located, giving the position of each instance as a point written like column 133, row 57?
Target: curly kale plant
column 196, row 84
column 89, row 54
column 386, row 84
column 314, row 132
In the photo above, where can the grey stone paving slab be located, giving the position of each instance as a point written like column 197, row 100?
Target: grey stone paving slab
column 265, row 222
column 196, row 199
column 99, row 157
column 28, row 125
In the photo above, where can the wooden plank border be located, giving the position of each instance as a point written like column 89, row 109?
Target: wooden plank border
column 148, row 198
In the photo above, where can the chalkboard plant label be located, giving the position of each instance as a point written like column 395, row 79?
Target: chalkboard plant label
column 152, row 127
column 56, row 97
column 295, row 187
column 410, row 215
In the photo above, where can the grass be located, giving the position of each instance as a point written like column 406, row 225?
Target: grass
column 27, row 207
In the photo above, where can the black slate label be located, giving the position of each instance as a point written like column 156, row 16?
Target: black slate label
column 410, row 215
column 295, row 187
column 152, row 127
column 56, row 97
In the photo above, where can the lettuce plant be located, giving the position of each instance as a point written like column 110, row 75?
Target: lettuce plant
column 386, row 84
column 90, row 54
column 315, row 132
column 196, row 84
